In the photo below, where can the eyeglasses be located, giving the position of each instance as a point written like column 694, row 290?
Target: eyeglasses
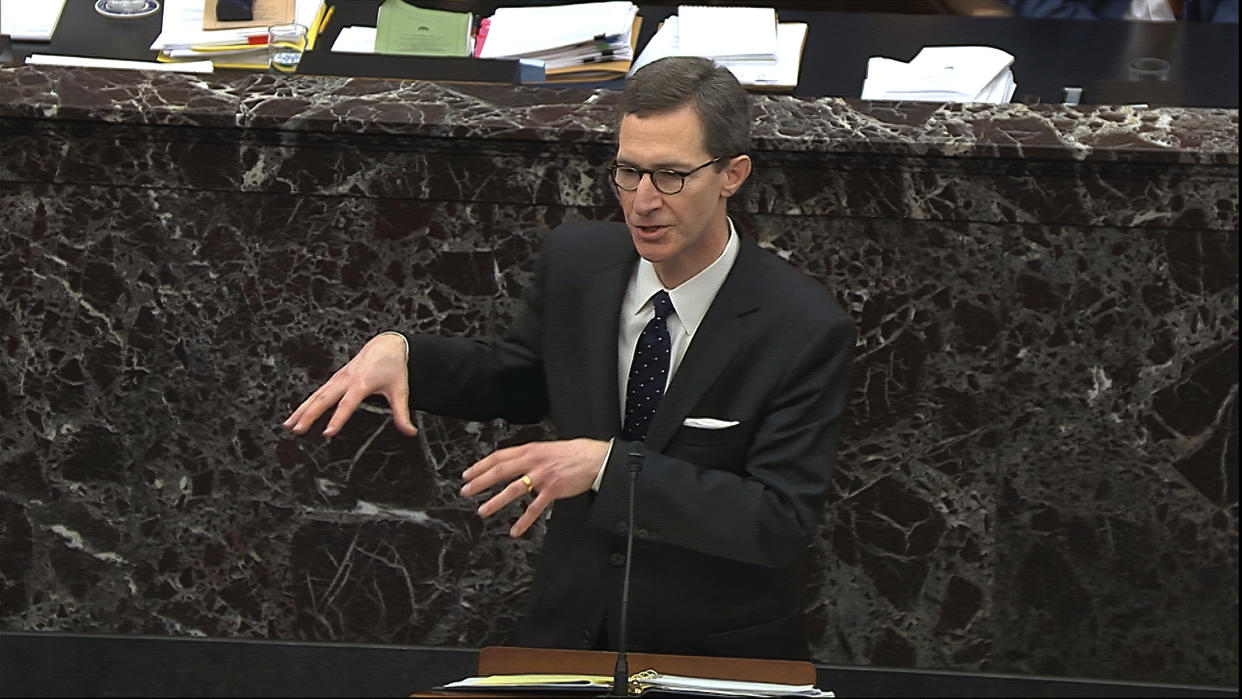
column 665, row 181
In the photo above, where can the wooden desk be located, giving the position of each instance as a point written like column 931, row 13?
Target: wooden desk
column 498, row 660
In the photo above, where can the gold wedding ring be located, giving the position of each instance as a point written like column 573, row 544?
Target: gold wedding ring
column 527, row 482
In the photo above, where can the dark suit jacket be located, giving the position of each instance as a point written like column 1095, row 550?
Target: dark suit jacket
column 722, row 515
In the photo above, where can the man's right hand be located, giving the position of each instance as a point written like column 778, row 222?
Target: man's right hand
column 380, row 368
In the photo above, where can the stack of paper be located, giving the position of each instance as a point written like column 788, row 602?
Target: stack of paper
column 737, row 38
column 182, row 37
column 943, row 74
column 586, row 41
column 728, row 33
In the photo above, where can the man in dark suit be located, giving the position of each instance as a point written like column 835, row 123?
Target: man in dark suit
column 672, row 337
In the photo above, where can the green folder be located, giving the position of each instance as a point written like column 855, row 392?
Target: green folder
column 405, row 29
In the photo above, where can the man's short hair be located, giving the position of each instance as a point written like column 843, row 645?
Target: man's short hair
column 721, row 102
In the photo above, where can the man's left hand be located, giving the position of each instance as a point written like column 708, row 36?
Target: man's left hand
column 555, row 470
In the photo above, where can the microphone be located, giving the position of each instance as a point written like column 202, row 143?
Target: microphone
column 621, row 675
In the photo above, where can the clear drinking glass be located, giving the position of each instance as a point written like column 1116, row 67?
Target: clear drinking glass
column 285, row 44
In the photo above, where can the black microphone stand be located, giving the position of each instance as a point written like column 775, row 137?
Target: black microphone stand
column 621, row 675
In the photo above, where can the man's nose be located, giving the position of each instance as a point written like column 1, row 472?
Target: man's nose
column 647, row 198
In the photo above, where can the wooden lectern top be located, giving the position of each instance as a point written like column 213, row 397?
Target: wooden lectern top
column 501, row 660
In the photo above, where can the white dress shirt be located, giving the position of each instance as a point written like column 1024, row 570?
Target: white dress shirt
column 691, row 299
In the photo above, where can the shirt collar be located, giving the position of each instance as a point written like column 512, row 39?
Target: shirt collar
column 694, row 296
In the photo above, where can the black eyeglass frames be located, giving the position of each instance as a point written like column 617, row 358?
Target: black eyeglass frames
column 665, row 181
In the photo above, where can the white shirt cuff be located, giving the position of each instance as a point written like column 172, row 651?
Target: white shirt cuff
column 599, row 477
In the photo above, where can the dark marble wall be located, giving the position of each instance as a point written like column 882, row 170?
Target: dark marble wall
column 1039, row 469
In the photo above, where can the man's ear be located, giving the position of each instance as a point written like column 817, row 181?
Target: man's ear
column 736, row 173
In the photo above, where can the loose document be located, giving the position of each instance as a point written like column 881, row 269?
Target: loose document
column 943, row 74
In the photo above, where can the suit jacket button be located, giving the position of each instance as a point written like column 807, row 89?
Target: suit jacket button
column 642, row 533
column 621, row 526
column 617, row 559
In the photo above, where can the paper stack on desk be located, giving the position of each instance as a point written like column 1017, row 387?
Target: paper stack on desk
column 728, row 33
column 182, row 37
column 746, row 40
column 943, row 74
column 585, row 41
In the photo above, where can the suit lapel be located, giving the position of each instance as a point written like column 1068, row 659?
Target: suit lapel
column 723, row 332
column 602, row 296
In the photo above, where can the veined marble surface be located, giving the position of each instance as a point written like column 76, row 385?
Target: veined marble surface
column 1039, row 465
column 560, row 115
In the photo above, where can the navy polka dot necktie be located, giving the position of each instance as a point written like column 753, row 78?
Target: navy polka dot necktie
column 648, row 372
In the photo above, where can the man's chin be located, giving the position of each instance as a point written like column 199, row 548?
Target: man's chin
column 650, row 248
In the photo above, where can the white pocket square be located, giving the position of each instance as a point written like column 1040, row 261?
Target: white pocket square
column 708, row 423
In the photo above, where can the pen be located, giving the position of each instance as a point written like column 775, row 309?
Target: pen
column 327, row 16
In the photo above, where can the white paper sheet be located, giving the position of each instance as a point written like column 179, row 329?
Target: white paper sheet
column 37, row 59
column 30, row 20
column 355, row 40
